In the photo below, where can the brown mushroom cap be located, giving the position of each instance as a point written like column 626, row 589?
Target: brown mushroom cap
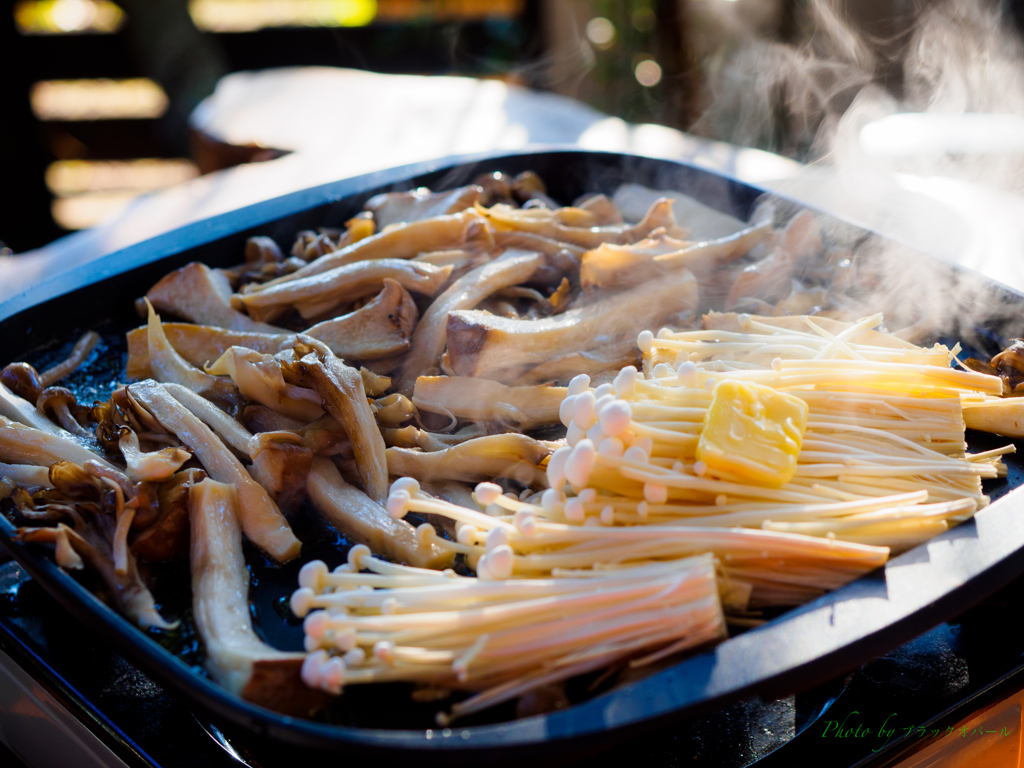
column 60, row 404
column 262, row 250
column 23, row 380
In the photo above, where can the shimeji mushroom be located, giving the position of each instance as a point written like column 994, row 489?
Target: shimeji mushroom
column 261, row 520
column 92, row 519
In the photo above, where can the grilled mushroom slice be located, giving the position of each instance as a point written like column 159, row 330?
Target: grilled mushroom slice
column 576, row 226
column 356, row 515
column 482, row 344
column 428, row 341
column 280, row 459
column 390, row 208
column 170, row 367
column 20, row 410
column 21, row 444
column 485, row 400
column 512, row 455
column 318, row 294
column 344, row 397
column 235, row 657
column 623, row 266
column 199, row 294
column 259, row 378
column 376, row 330
column 401, row 241
column 153, row 466
column 261, row 520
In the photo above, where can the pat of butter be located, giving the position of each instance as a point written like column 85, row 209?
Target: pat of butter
column 753, row 431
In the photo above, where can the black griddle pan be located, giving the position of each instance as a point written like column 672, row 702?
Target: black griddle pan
column 796, row 651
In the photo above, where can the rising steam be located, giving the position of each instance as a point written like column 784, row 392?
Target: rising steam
column 811, row 101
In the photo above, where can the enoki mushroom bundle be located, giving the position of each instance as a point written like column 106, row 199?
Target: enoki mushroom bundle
column 498, row 638
column 786, row 460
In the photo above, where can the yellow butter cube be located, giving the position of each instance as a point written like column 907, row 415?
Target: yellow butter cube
column 753, row 431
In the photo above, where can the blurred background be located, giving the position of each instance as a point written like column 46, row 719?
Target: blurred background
column 105, row 100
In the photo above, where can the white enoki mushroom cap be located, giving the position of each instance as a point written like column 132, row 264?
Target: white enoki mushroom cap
column 312, row 574
column 574, row 434
column 467, row 534
column 425, row 534
column 552, row 497
column 345, row 568
column 388, row 606
column 302, row 601
column 616, row 417
column 310, row 643
column 777, row 364
column 709, row 385
column 482, row 571
column 355, row 657
column 583, row 414
column 603, row 400
column 357, row 553
column 699, row 468
column 608, row 515
column 332, row 676
column 603, row 390
column 556, row 467
column 398, row 503
column 345, row 640
column 625, row 382
column 499, row 562
column 656, row 493
column 663, row 371
column 410, row 484
column 611, row 446
column 636, row 453
column 384, row 650
column 642, row 510
column 579, row 384
column 487, row 493
column 312, row 666
column 645, row 341
column 565, row 409
column 574, row 511
column 587, row 495
column 496, row 537
column 595, row 434
column 525, row 521
column 580, row 463
column 315, row 624
column 686, row 372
